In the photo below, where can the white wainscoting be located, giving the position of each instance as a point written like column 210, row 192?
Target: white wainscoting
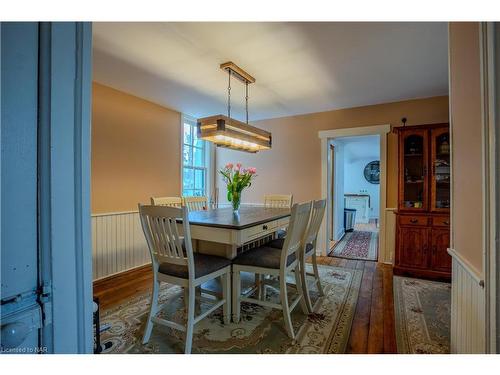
column 467, row 308
column 118, row 243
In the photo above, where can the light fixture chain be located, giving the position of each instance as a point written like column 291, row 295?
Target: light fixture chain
column 246, row 99
column 229, row 95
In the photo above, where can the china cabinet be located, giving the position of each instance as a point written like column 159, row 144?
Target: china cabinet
column 423, row 215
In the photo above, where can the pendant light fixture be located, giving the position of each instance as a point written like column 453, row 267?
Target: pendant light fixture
column 225, row 131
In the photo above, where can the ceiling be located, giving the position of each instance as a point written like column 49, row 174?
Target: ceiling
column 299, row 67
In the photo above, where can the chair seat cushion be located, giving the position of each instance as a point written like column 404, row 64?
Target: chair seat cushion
column 279, row 242
column 263, row 256
column 203, row 265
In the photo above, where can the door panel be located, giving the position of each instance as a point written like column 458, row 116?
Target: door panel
column 413, row 248
column 440, row 260
column 19, row 258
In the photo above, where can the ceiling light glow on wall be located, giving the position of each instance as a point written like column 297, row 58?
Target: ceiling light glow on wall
column 227, row 132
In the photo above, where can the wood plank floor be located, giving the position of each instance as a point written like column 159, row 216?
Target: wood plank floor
column 372, row 330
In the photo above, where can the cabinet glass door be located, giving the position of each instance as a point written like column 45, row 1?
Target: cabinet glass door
column 414, row 166
column 440, row 163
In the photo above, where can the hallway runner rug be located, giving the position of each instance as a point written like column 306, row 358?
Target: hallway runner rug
column 360, row 245
column 261, row 329
column 423, row 314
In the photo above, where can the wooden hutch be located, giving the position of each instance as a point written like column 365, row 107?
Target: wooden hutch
column 423, row 214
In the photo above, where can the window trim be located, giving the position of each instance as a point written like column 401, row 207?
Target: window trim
column 209, row 159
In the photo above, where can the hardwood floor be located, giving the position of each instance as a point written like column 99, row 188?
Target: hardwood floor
column 373, row 325
column 373, row 329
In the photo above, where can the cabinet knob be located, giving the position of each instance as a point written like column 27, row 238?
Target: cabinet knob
column 264, row 227
column 446, row 222
column 413, row 221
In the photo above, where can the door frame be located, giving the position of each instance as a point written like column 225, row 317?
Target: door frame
column 489, row 35
column 65, row 79
column 331, row 192
column 326, row 136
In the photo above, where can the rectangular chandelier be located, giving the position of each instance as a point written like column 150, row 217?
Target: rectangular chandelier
column 234, row 134
column 225, row 131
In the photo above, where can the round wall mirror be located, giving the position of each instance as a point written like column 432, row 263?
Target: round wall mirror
column 372, row 172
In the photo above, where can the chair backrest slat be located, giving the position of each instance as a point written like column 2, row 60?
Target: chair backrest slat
column 278, row 200
column 317, row 215
column 169, row 238
column 196, row 203
column 167, row 201
column 296, row 230
column 178, row 241
column 160, row 225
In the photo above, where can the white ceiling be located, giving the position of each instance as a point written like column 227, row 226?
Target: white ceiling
column 361, row 147
column 299, row 67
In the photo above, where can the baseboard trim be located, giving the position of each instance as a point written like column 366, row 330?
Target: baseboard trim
column 340, row 235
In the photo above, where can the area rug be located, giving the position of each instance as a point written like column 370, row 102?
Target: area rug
column 261, row 329
column 361, row 245
column 423, row 314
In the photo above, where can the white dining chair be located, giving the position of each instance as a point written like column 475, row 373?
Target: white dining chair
column 265, row 260
column 167, row 201
column 309, row 250
column 196, row 203
column 278, row 200
column 174, row 262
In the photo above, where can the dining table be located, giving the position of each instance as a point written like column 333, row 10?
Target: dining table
column 224, row 232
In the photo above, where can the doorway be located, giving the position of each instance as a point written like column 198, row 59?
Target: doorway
column 355, row 200
column 332, row 167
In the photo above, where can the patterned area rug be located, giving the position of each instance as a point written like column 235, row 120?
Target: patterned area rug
column 423, row 314
column 261, row 329
column 361, row 245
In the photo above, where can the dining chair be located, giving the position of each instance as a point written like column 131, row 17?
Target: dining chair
column 265, row 260
column 196, row 203
column 167, row 201
column 309, row 250
column 174, row 262
column 278, row 200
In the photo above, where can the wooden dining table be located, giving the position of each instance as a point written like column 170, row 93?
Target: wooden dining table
column 222, row 232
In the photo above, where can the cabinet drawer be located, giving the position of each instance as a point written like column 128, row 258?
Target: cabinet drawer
column 282, row 223
column 258, row 231
column 413, row 220
column 441, row 221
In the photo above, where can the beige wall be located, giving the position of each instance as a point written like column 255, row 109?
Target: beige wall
column 465, row 102
column 135, row 150
column 293, row 165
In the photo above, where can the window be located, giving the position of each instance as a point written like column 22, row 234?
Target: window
column 195, row 160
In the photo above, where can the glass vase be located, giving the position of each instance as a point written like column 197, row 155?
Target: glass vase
column 236, row 201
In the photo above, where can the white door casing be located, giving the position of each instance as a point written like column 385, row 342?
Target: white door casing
column 50, row 131
column 326, row 136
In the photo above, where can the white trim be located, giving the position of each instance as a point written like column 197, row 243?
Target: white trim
column 115, row 213
column 209, row 158
column 467, row 324
column 181, row 156
column 488, row 102
column 349, row 132
column 64, row 178
column 474, row 273
column 326, row 136
column 450, row 111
